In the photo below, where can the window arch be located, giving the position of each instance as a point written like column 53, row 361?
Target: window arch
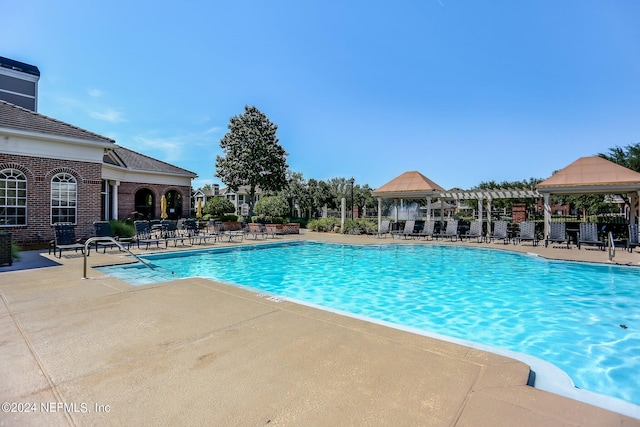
column 64, row 198
column 13, row 197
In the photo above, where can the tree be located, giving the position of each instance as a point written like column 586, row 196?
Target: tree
column 629, row 156
column 297, row 192
column 320, row 195
column 252, row 154
column 272, row 206
column 218, row 206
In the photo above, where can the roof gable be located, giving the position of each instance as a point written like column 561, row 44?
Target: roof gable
column 592, row 172
column 407, row 184
column 15, row 117
column 130, row 159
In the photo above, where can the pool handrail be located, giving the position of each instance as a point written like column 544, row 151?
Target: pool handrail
column 114, row 241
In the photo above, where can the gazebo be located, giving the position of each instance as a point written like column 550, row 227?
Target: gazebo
column 414, row 185
column 409, row 185
column 591, row 175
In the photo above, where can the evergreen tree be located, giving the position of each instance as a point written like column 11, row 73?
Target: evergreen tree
column 252, row 154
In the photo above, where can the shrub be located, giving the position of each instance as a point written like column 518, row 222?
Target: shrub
column 271, row 207
column 218, row 206
column 359, row 226
column 229, row 218
column 322, row 224
column 301, row 221
column 15, row 251
column 122, row 228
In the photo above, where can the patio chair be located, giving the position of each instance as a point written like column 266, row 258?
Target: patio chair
column 588, row 235
column 103, row 229
column 269, row 231
column 557, row 234
column 145, row 236
column 634, row 237
column 475, row 231
column 254, row 229
column 170, row 233
column 195, row 235
column 385, row 226
column 500, row 232
column 407, row 231
column 427, row 230
column 451, row 231
column 527, row 232
column 65, row 239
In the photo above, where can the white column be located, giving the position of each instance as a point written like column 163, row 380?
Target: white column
column 547, row 214
column 480, row 210
column 379, row 212
column 343, row 212
column 633, row 198
column 114, row 204
column 395, row 205
column 429, row 207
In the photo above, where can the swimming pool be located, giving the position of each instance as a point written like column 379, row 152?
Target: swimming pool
column 583, row 318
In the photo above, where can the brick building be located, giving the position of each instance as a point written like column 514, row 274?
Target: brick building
column 51, row 171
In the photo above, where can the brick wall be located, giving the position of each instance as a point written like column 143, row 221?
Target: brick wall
column 39, row 171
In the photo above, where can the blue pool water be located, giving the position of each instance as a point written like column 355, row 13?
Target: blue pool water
column 569, row 314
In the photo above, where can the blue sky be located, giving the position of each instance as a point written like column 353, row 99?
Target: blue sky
column 462, row 91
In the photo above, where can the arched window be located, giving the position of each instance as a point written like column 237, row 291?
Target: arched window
column 64, row 198
column 13, row 197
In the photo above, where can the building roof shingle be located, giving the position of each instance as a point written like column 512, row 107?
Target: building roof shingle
column 136, row 161
column 15, row 117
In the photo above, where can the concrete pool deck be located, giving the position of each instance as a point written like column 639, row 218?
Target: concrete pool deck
column 195, row 352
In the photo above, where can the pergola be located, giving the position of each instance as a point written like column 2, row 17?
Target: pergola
column 414, row 185
column 590, row 175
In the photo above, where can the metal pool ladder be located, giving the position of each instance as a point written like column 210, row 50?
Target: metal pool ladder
column 611, row 247
column 115, row 242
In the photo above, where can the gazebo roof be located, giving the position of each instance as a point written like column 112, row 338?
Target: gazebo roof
column 409, row 185
column 591, row 175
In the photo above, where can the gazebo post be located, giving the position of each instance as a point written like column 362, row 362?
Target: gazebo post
column 428, row 207
column 547, row 213
column 480, row 209
column 395, row 205
column 379, row 212
column 489, row 215
column 633, row 197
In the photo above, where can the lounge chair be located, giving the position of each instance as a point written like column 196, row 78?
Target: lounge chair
column 634, row 237
column 195, row 235
column 475, row 231
column 451, row 231
column 427, row 230
column 407, row 231
column 499, row 232
column 527, row 232
column 103, row 229
column 557, row 234
column 385, row 226
column 145, row 236
column 254, row 229
column 589, row 235
column 65, row 239
column 170, row 233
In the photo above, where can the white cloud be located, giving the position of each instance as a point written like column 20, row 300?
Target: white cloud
column 96, row 93
column 214, row 130
column 109, row 115
column 172, row 148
